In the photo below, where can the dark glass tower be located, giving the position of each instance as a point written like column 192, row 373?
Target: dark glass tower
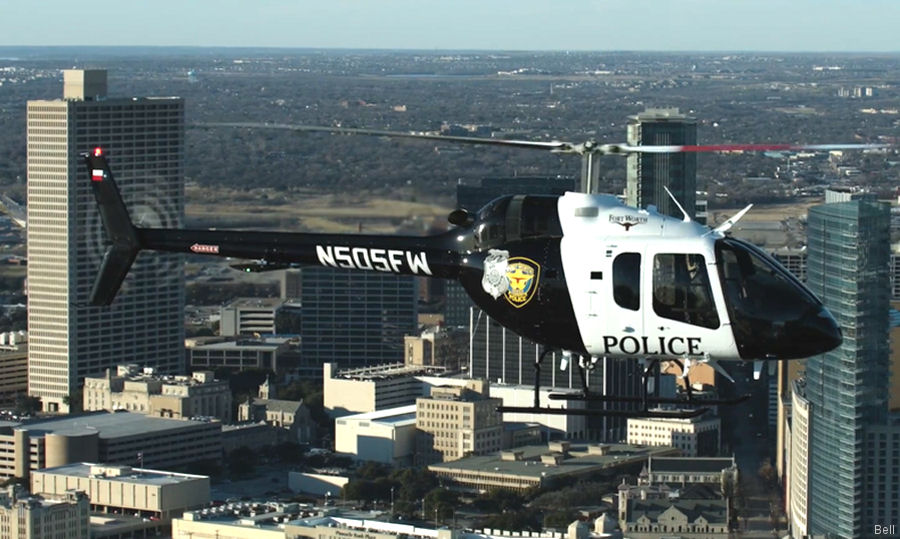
column 354, row 318
column 847, row 388
column 647, row 175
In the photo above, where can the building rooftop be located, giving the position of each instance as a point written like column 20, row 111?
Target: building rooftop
column 712, row 510
column 580, row 458
column 399, row 416
column 107, row 425
column 390, row 370
column 690, row 464
column 267, row 343
column 256, row 303
column 124, row 474
column 277, row 405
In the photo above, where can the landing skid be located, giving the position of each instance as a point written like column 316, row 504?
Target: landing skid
column 690, row 407
column 665, row 414
column 650, row 400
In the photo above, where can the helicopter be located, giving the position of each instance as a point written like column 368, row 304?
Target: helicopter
column 579, row 273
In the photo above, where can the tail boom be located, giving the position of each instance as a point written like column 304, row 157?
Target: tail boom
column 428, row 256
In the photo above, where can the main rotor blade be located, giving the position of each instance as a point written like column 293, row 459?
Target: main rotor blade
column 528, row 144
column 750, row 148
column 584, row 148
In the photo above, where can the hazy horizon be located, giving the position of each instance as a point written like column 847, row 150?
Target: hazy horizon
column 802, row 26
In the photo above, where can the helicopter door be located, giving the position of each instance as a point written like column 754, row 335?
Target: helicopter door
column 615, row 307
column 680, row 311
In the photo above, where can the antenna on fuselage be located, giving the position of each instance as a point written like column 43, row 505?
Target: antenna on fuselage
column 687, row 218
column 726, row 226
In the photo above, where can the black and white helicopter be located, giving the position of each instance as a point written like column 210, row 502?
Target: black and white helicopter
column 580, row 273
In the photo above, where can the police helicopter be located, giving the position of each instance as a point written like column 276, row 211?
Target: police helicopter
column 579, row 273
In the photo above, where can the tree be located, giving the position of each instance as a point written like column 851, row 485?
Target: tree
column 441, row 502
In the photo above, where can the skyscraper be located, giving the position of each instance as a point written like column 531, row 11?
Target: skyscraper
column 847, row 388
column 648, row 174
column 356, row 318
column 144, row 138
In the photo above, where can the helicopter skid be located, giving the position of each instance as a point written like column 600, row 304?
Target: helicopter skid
column 663, row 414
column 649, row 400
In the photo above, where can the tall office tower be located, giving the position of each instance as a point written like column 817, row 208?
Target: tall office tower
column 356, row 319
column 144, row 139
column 847, row 388
column 647, row 175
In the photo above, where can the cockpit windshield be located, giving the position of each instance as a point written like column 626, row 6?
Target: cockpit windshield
column 773, row 315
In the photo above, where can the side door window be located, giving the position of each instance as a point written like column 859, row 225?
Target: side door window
column 681, row 290
column 627, row 281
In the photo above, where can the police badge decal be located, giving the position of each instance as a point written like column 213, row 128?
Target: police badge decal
column 494, row 280
column 523, row 275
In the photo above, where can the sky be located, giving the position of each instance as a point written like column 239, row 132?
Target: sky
column 596, row 25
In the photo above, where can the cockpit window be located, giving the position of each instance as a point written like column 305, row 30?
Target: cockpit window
column 681, row 290
column 490, row 229
column 627, row 281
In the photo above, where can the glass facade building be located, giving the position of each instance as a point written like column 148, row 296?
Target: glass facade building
column 847, row 388
column 648, row 174
column 356, row 318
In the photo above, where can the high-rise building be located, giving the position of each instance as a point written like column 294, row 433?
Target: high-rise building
column 648, row 174
column 356, row 319
column 144, row 138
column 847, row 388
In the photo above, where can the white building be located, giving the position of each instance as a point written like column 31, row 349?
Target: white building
column 387, row 436
column 695, row 437
column 798, row 476
column 144, row 138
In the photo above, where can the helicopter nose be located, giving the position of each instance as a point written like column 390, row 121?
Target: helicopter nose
column 820, row 332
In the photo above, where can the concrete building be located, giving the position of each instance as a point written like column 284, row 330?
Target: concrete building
column 151, row 494
column 249, row 316
column 29, row 517
column 456, row 421
column 648, row 175
column 695, row 437
column 356, row 318
column 556, row 464
column 367, row 389
column 387, row 436
column 144, row 138
column 110, row 438
column 178, row 397
column 291, row 416
column 847, row 267
column 13, row 367
column 245, row 353
column 436, row 346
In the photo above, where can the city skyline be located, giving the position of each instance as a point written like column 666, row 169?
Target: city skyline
column 694, row 25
